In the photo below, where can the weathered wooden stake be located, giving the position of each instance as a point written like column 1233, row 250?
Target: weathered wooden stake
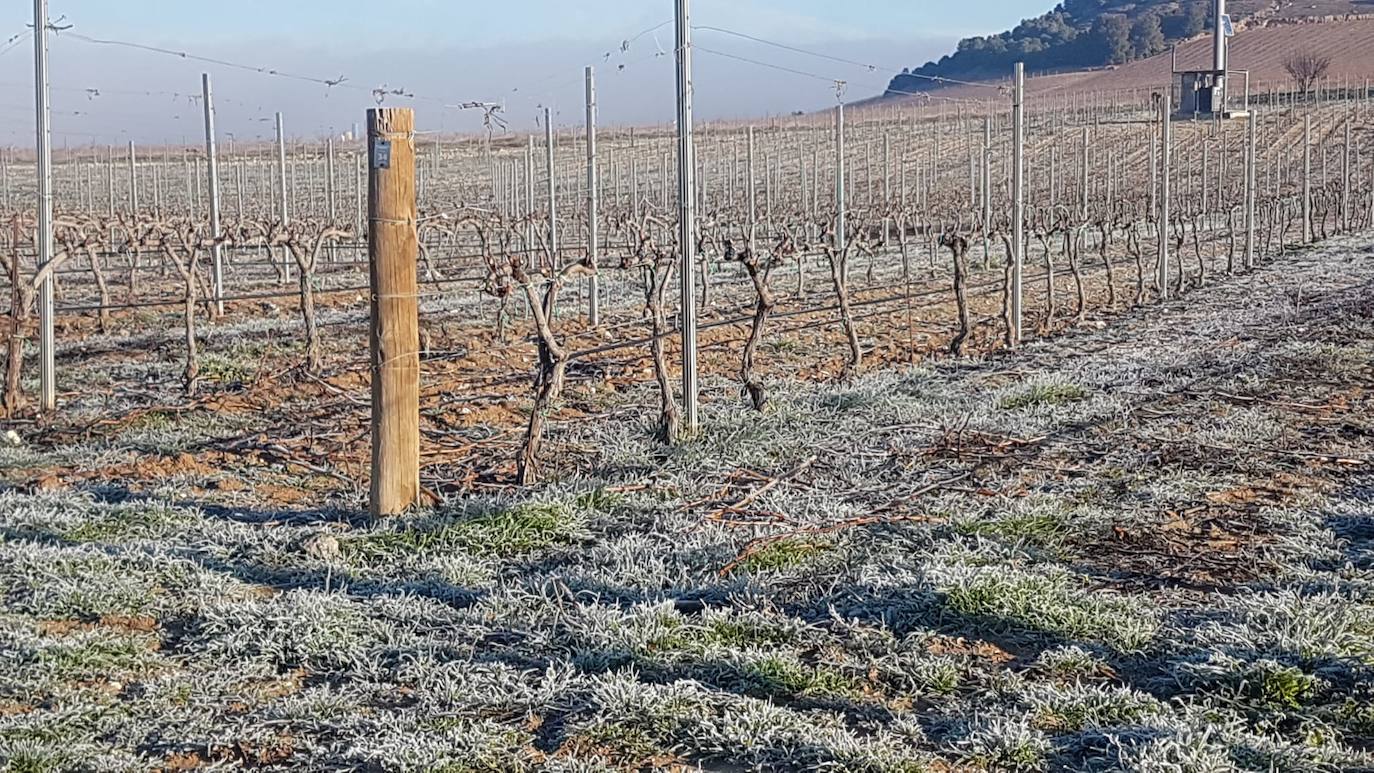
column 393, row 250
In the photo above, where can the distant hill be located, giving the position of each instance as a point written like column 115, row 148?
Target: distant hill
column 1259, row 49
column 1083, row 34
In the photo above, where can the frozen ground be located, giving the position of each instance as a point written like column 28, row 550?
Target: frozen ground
column 1145, row 546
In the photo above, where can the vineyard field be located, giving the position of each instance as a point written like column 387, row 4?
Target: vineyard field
column 954, row 436
column 1111, row 550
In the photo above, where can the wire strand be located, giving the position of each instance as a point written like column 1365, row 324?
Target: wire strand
column 872, row 67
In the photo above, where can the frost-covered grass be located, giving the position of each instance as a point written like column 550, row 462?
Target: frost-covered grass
column 1120, row 549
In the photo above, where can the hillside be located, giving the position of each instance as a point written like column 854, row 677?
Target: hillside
column 1259, row 50
column 1084, row 34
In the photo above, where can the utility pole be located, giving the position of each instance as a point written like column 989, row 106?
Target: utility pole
column 1018, row 197
column 593, row 286
column 686, row 169
column 47, row 344
column 212, row 166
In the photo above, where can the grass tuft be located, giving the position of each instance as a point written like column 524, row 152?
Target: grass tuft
column 1051, row 603
column 783, row 554
column 520, row 530
column 1044, row 394
column 781, row 676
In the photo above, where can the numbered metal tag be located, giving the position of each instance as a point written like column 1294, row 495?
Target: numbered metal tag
column 381, row 154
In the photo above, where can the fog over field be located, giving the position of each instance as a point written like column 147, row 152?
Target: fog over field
column 106, row 94
column 527, row 77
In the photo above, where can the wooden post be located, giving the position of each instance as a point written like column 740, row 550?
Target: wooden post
column 212, row 168
column 1307, row 229
column 531, row 258
column 987, row 191
column 1165, row 142
column 393, row 250
column 1345, row 178
column 133, row 180
column 1018, row 200
column 687, row 228
column 840, row 239
column 593, row 183
column 553, row 190
column 751, row 194
column 47, row 312
column 284, row 212
column 1250, row 192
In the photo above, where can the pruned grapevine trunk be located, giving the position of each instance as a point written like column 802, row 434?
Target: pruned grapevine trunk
column 1050, row 306
column 840, row 280
column 314, row 360
column 764, row 301
column 669, row 420
column 102, row 287
column 1105, row 251
column 958, row 247
column 1071, row 245
column 1009, row 333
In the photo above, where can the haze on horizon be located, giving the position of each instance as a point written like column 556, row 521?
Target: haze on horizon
column 448, row 52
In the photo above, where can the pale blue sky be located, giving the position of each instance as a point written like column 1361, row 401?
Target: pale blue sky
column 522, row 53
column 454, row 22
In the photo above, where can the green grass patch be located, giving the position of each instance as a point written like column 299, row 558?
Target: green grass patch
column 740, row 633
column 95, row 656
column 848, row 401
column 634, row 747
column 1040, row 528
column 783, row 554
column 1051, row 603
column 600, row 501
column 1073, row 711
column 148, row 520
column 1357, row 716
column 153, row 421
column 939, row 676
column 1044, row 394
column 520, row 530
column 1277, row 685
column 226, row 369
column 781, row 676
